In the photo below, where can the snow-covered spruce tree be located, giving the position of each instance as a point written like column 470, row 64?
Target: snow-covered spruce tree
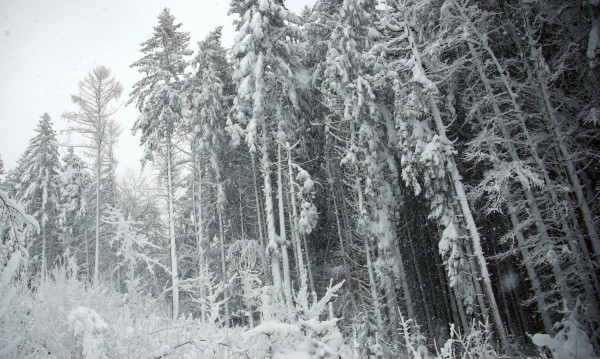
column 209, row 106
column 510, row 182
column 158, row 98
column 509, row 115
column 566, row 151
column 11, row 179
column 267, row 73
column 343, row 64
column 317, row 29
column 1, row 166
column 14, row 227
column 38, row 191
column 244, row 255
column 319, row 24
column 74, row 182
column 366, row 158
column 131, row 249
column 428, row 163
column 98, row 92
column 567, row 136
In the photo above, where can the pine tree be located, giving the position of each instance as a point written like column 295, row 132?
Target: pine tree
column 38, row 190
column 428, row 156
column 74, row 182
column 209, row 106
column 159, row 99
column 505, row 114
column 267, row 74
column 361, row 130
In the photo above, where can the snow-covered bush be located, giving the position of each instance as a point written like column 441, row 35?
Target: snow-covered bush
column 88, row 328
column 367, row 342
column 66, row 318
column 299, row 334
column 570, row 341
column 477, row 343
column 413, row 339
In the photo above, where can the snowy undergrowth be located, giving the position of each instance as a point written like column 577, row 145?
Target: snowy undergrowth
column 570, row 340
column 298, row 331
column 64, row 318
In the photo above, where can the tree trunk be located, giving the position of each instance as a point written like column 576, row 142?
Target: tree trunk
column 197, row 206
column 87, row 253
column 259, row 220
column 174, row 274
column 223, row 258
column 270, row 216
column 287, row 282
column 97, row 244
column 532, row 202
column 44, row 262
column 420, row 282
column 294, row 221
column 372, row 284
column 456, row 181
column 349, row 285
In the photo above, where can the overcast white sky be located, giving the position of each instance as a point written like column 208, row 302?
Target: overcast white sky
column 48, row 46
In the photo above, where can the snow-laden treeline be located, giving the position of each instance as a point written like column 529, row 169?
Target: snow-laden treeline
column 367, row 179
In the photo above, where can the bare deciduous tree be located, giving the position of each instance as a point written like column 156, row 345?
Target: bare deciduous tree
column 98, row 92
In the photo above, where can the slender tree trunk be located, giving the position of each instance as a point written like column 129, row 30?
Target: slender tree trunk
column 456, row 181
column 420, row 282
column 200, row 238
column 449, row 304
column 223, row 258
column 97, row 244
column 174, row 274
column 287, row 282
column 554, row 125
column 197, row 210
column 44, row 261
column 372, row 283
column 349, row 286
column 311, row 280
column 408, row 302
column 242, row 232
column 460, row 307
column 269, row 214
column 259, row 220
column 87, row 254
column 294, row 221
column 532, row 202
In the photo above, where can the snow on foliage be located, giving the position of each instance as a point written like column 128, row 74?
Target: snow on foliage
column 593, row 49
column 63, row 318
column 300, row 333
column 88, row 328
column 570, row 341
column 476, row 343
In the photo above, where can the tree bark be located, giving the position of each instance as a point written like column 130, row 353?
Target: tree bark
column 174, row 274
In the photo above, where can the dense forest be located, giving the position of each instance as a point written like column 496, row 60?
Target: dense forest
column 366, row 179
